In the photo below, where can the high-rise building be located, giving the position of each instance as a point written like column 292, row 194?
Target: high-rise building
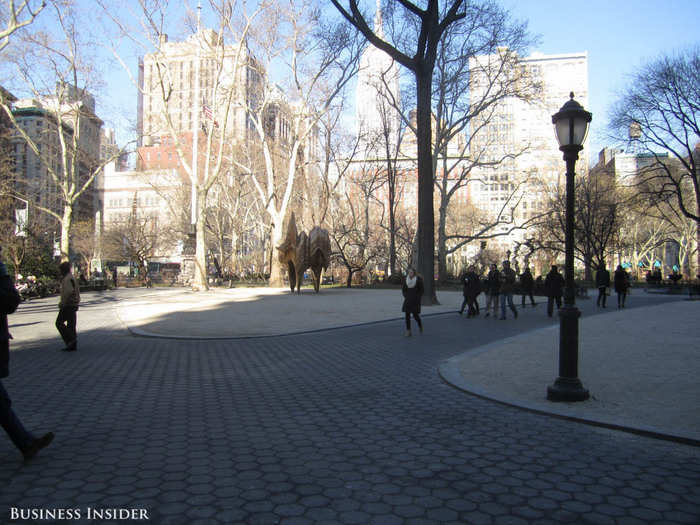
column 521, row 134
column 41, row 119
column 378, row 95
column 175, row 67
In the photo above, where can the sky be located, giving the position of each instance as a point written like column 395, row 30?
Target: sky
column 619, row 35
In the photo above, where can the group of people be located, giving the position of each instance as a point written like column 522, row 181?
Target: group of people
column 68, row 305
column 499, row 287
column 620, row 281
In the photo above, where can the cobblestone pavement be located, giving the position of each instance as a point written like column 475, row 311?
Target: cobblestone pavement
column 345, row 426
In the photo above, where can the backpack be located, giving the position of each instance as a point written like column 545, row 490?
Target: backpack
column 9, row 296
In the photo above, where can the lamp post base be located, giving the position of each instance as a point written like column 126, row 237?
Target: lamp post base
column 567, row 389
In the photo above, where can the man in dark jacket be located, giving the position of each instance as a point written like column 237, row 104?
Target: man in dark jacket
column 554, row 284
column 471, row 290
column 493, row 289
column 527, row 285
column 602, row 281
column 621, row 281
column 23, row 440
column 507, row 287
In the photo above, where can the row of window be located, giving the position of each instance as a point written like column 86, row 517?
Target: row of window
column 148, row 202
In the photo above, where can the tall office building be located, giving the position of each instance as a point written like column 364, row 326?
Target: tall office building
column 377, row 120
column 525, row 129
column 175, row 68
column 39, row 118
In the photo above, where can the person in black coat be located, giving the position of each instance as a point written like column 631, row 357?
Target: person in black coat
column 621, row 281
column 412, row 292
column 602, row 281
column 474, row 291
column 527, row 285
column 493, row 289
column 554, row 284
column 471, row 289
column 23, row 439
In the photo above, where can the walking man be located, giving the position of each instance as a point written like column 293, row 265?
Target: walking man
column 602, row 281
column 622, row 284
column 554, row 284
column 493, row 289
column 23, row 440
column 527, row 285
column 68, row 308
column 507, row 286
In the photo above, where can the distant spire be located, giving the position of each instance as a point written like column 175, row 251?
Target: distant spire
column 378, row 25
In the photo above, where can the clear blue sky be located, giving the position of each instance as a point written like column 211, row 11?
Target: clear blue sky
column 619, row 35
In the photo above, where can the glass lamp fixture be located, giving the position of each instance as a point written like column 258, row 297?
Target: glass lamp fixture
column 571, row 124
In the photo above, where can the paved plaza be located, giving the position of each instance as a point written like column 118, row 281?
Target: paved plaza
column 208, row 408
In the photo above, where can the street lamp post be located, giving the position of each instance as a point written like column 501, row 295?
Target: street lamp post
column 571, row 127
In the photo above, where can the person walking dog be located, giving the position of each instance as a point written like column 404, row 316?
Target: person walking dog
column 68, row 308
column 27, row 444
column 412, row 292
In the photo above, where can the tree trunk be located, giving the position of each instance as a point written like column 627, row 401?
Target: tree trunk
column 350, row 273
column 391, row 178
column 276, row 276
column 442, row 244
column 66, row 223
column 426, row 217
column 588, row 270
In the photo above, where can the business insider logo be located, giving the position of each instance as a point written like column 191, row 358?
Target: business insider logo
column 70, row 514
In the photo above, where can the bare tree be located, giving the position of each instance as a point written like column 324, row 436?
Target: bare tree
column 134, row 238
column 478, row 68
column 354, row 224
column 72, row 128
column 417, row 51
column 220, row 88
column 598, row 212
column 320, row 60
column 18, row 15
column 660, row 107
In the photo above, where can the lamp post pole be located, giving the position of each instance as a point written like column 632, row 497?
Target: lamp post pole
column 568, row 387
column 571, row 125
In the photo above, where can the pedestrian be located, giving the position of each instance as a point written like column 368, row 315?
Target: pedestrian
column 115, row 277
column 506, row 292
column 602, row 281
column 23, row 439
column 465, row 292
column 527, row 285
column 412, row 292
column 68, row 308
column 493, row 288
column 554, row 285
column 621, row 281
column 473, row 291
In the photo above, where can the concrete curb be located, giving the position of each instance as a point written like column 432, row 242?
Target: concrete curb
column 145, row 333
column 449, row 372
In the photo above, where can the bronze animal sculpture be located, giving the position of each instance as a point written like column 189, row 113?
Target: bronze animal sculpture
column 301, row 251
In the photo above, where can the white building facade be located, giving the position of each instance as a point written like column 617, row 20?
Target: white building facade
column 520, row 184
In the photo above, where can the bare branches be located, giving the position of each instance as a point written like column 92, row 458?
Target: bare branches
column 19, row 15
column 661, row 107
